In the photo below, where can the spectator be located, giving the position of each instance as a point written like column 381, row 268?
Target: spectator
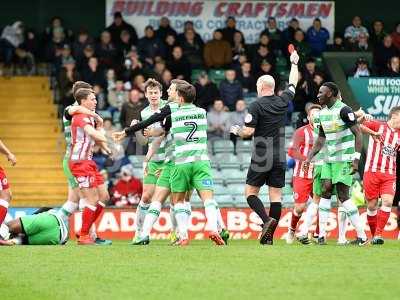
column 318, row 80
column 179, row 66
column 396, row 36
column 111, row 79
column 170, row 44
column 54, row 47
column 393, row 67
column 217, row 52
column 377, row 34
column 138, row 82
column 56, row 23
column 206, row 91
column 230, row 90
column 117, row 97
column 149, row 46
column 92, row 74
column 28, row 52
column 310, row 69
column 192, row 46
column 31, row 44
column 288, row 33
column 317, row 37
column 263, row 53
column 237, row 117
column 301, row 95
column 266, row 69
column 263, row 41
column 274, row 34
column 132, row 66
column 68, row 75
column 100, row 97
column 165, row 29
column 88, row 52
column 131, row 109
column 353, row 31
column 159, row 68
column 125, row 45
column 166, row 78
column 65, row 55
column 383, row 53
column 106, row 51
column 128, row 190
column 118, row 26
column 361, row 69
column 246, row 79
column 229, row 31
column 218, row 121
column 303, row 48
column 80, row 44
column 239, row 48
column 338, row 45
column 362, row 44
column 188, row 25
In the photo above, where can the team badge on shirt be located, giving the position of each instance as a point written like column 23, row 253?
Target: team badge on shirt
column 351, row 116
column 248, row 118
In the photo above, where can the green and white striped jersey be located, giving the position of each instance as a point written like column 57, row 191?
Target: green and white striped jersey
column 145, row 114
column 67, row 131
column 189, row 134
column 169, row 145
column 340, row 141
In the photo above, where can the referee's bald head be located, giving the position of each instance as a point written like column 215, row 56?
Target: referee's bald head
column 265, row 85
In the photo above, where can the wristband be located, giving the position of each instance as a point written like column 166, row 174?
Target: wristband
column 357, row 155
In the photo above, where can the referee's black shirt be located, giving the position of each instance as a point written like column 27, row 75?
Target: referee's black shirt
column 267, row 115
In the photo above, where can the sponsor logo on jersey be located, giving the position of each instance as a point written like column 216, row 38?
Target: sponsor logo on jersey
column 388, row 150
column 207, row 182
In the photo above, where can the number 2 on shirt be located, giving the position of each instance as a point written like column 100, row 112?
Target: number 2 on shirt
column 190, row 137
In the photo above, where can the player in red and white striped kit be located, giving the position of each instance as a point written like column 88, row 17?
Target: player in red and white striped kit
column 83, row 138
column 303, row 140
column 5, row 193
column 380, row 171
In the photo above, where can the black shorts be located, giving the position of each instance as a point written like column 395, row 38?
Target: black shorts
column 273, row 176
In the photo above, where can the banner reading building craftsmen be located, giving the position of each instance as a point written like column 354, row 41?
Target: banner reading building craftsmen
column 376, row 95
column 208, row 16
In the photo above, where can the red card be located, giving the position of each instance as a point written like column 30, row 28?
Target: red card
column 291, row 48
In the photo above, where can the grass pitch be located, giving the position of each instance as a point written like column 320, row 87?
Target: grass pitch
column 242, row 270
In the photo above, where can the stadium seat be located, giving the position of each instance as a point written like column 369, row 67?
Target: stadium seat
column 136, row 158
column 220, row 189
column 244, row 146
column 216, row 75
column 222, row 146
column 104, row 114
column 224, row 200
column 234, row 175
column 195, row 74
column 284, row 74
column 236, row 188
column 116, row 117
column 319, row 63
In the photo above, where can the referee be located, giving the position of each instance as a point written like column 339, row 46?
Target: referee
column 266, row 122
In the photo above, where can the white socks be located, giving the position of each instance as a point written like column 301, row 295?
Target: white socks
column 311, row 212
column 324, row 210
column 70, row 207
column 220, row 221
column 141, row 211
column 151, row 217
column 174, row 225
column 210, row 207
column 342, row 219
column 352, row 213
column 182, row 219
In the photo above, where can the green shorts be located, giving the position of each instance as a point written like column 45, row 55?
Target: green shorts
column 337, row 172
column 41, row 229
column 165, row 175
column 317, row 184
column 196, row 175
column 67, row 172
column 152, row 168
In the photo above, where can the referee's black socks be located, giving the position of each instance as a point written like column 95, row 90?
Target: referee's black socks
column 258, row 207
column 275, row 210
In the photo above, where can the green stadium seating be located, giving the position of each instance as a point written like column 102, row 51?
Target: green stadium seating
column 224, row 200
column 244, row 146
column 222, row 146
column 220, row 189
column 319, row 63
column 195, row 74
column 216, row 75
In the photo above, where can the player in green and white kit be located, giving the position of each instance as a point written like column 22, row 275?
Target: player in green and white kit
column 338, row 129
column 44, row 227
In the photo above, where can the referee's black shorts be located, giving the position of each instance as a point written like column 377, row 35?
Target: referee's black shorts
column 271, row 174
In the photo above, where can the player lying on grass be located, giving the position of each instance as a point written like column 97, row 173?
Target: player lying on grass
column 73, row 201
column 45, row 227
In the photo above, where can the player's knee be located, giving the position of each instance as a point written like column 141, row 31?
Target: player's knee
column 387, row 201
column 299, row 208
column 372, row 205
column 146, row 197
column 6, row 195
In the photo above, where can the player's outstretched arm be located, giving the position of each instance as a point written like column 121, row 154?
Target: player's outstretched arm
column 10, row 156
column 97, row 135
column 140, row 138
column 294, row 70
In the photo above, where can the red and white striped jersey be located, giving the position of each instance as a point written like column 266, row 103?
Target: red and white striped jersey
column 381, row 155
column 303, row 140
column 81, row 143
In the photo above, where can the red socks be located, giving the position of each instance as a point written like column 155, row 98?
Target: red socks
column 295, row 220
column 3, row 210
column 382, row 218
column 99, row 209
column 88, row 217
column 372, row 220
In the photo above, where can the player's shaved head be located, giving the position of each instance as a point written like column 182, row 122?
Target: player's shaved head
column 265, row 85
column 80, row 85
column 267, row 80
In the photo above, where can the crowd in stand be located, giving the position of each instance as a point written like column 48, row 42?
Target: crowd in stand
column 118, row 62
